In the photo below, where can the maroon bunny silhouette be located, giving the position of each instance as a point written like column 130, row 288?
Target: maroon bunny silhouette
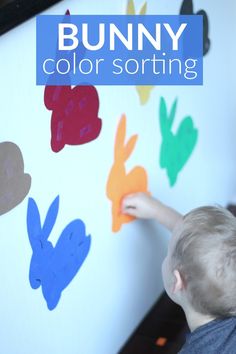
column 74, row 115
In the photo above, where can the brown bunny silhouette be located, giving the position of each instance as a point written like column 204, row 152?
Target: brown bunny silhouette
column 14, row 183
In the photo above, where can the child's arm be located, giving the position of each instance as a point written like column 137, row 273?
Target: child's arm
column 144, row 206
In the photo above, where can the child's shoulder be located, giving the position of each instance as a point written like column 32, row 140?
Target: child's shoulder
column 217, row 336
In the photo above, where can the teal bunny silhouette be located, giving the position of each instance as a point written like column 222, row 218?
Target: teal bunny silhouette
column 175, row 148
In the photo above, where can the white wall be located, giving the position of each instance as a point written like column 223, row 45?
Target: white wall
column 121, row 278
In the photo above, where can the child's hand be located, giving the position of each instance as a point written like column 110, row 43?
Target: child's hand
column 140, row 205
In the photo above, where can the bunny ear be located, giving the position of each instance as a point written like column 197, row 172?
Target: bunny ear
column 120, row 136
column 206, row 40
column 163, row 116
column 172, row 113
column 187, row 7
column 130, row 146
column 50, row 218
column 33, row 221
column 130, row 10
column 143, row 9
column 165, row 121
column 53, row 95
column 205, row 22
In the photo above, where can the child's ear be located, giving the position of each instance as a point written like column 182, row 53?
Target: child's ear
column 178, row 282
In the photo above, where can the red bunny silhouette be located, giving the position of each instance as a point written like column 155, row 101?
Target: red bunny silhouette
column 74, row 115
column 74, row 112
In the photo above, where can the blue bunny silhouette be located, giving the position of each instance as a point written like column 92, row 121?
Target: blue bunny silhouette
column 54, row 267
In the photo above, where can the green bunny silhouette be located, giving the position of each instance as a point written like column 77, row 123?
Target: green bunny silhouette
column 175, row 148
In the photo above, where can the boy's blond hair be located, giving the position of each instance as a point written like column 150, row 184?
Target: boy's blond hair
column 205, row 255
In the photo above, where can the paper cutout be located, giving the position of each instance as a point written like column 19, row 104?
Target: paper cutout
column 175, row 148
column 121, row 183
column 144, row 92
column 75, row 115
column 68, row 54
column 187, row 9
column 14, row 183
column 53, row 268
column 74, row 110
column 130, row 10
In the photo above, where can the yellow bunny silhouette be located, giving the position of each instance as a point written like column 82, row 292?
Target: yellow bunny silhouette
column 131, row 8
column 143, row 91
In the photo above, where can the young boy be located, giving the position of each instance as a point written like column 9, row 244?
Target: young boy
column 199, row 272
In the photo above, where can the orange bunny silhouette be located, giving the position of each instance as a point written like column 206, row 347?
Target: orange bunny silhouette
column 121, row 183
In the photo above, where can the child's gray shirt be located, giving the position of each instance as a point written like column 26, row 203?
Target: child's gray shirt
column 215, row 337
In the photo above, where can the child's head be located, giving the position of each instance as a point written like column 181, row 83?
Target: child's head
column 202, row 262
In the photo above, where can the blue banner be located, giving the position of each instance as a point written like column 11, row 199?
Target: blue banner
column 119, row 50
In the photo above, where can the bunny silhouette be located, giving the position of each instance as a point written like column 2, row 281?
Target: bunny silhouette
column 74, row 115
column 53, row 268
column 74, row 110
column 143, row 91
column 119, row 182
column 14, row 182
column 175, row 148
column 187, row 9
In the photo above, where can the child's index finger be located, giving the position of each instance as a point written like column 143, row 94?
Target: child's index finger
column 127, row 204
